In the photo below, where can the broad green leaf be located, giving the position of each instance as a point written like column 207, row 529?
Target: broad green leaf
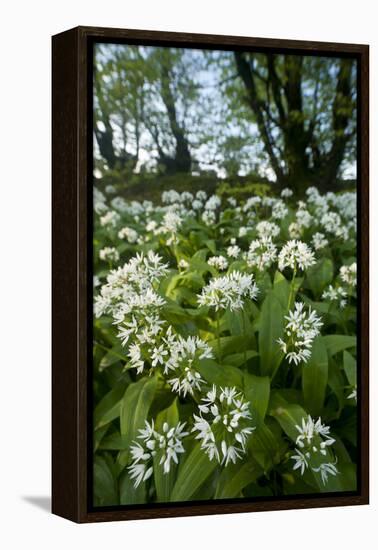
column 115, row 442
column 289, row 416
column 239, row 359
column 104, row 484
column 337, row 383
column 115, row 354
column 339, row 342
column 164, row 481
column 237, row 476
column 315, row 377
column 319, row 276
column 192, row 474
column 350, row 368
column 238, row 324
column 232, row 344
column 128, row 494
column 281, row 289
column 109, row 407
column 271, row 327
column 220, row 375
column 134, row 409
column 257, row 391
column 265, row 447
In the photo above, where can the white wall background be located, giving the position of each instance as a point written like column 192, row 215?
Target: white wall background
column 25, row 272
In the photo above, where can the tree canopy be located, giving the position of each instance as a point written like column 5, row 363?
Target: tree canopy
column 288, row 118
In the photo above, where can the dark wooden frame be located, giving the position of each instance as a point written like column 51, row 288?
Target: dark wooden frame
column 71, row 163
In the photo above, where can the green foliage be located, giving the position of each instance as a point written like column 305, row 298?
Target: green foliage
column 245, row 354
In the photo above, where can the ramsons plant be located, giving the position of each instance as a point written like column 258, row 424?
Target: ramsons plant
column 224, row 346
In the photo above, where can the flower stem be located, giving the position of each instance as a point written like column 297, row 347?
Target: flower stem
column 218, row 338
column 245, row 335
column 291, row 294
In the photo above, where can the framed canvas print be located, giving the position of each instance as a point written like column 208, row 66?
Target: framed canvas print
column 210, row 274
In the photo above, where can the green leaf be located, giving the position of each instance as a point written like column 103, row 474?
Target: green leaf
column 231, row 344
column 271, row 327
column 281, row 289
column 164, row 482
column 134, row 409
column 350, row 368
column 192, row 474
column 315, row 377
column 319, row 276
column 109, row 407
column 257, row 391
column 339, row 342
column 220, row 375
column 239, row 359
column 104, row 484
column 235, row 477
column 265, row 447
column 288, row 417
column 128, row 494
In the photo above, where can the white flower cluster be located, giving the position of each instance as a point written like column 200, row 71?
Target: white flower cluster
column 267, row 229
column 296, row 255
column 313, row 443
column 184, row 354
column 336, row 294
column 348, row 274
column 319, row 241
column 111, row 218
column 229, row 291
column 129, row 234
column 261, row 254
column 233, row 251
column 219, row 262
column 224, row 425
column 131, row 287
column 166, row 444
column 109, row 254
column 301, row 328
column 177, row 357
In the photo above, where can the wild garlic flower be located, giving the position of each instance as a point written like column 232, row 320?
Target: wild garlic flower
column 229, row 291
column 348, row 274
column 261, row 254
column 209, row 217
column 109, row 254
column 319, row 241
column 131, row 286
column 332, row 224
column 166, row 445
column 213, row 203
column 219, row 262
column 243, row 231
column 129, row 234
column 313, row 444
column 336, row 294
column 301, row 328
column 233, row 251
column 183, row 264
column 181, row 365
column 111, row 218
column 279, row 210
column 304, row 218
column 295, row 230
column 296, row 255
column 223, row 425
column 99, row 201
column 286, row 193
column 267, row 229
column 252, row 202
